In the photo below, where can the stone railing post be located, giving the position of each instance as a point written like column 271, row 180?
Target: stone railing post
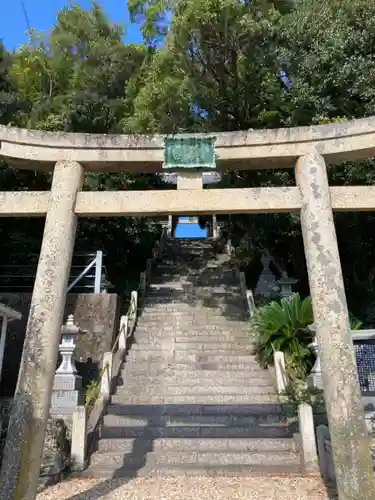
column 350, row 443
column 79, row 441
column 124, row 325
column 106, row 382
column 32, row 400
column 170, row 226
column 215, row 232
column 308, row 444
column 280, row 372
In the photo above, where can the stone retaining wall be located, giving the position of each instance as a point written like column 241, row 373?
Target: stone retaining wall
column 96, row 313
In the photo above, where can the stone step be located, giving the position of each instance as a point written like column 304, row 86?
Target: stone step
column 201, row 470
column 218, row 445
column 178, row 332
column 164, row 287
column 195, row 345
column 191, row 357
column 185, row 322
column 185, row 331
column 198, row 378
column 215, row 298
column 199, row 399
column 166, row 316
column 134, row 365
column 208, row 339
column 142, row 457
column 186, row 344
column 270, row 431
column 186, row 325
column 158, row 313
column 165, row 390
column 212, row 298
column 196, row 306
column 181, row 410
column 259, row 377
column 167, row 350
column 112, row 419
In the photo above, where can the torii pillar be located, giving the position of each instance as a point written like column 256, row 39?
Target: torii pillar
column 350, row 442
column 30, row 410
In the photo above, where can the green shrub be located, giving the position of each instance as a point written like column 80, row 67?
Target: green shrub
column 283, row 326
column 297, row 390
column 92, row 392
column 355, row 323
column 263, row 300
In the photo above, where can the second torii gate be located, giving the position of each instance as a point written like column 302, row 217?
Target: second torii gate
column 69, row 156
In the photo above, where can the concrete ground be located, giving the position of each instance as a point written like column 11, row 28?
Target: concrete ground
column 189, row 488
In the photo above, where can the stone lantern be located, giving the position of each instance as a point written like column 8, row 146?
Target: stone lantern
column 286, row 285
column 266, row 285
column 67, row 388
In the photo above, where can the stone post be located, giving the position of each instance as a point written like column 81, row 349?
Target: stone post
column 308, row 444
column 79, row 438
column 350, row 443
column 30, row 409
column 124, row 328
column 189, row 179
column 106, row 382
column 170, row 227
column 214, row 231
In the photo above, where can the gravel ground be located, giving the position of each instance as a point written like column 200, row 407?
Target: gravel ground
column 256, row 488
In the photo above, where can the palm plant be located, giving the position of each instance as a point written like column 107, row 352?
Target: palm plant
column 283, row 326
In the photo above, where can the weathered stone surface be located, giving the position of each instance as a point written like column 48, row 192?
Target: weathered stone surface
column 248, row 200
column 56, row 452
column 97, row 314
column 189, row 180
column 235, row 150
column 30, row 409
column 342, row 393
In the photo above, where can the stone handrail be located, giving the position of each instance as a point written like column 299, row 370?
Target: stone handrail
column 306, row 436
column 280, row 372
column 246, row 149
column 85, row 424
column 246, row 293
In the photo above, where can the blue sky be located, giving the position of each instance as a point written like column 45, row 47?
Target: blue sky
column 42, row 16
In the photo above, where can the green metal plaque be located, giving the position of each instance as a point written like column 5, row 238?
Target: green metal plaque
column 189, row 152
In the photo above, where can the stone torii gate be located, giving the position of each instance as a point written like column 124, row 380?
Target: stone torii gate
column 69, row 156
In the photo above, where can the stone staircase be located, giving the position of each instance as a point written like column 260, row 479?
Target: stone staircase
column 191, row 398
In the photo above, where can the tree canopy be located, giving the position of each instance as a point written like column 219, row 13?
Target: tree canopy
column 206, row 65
